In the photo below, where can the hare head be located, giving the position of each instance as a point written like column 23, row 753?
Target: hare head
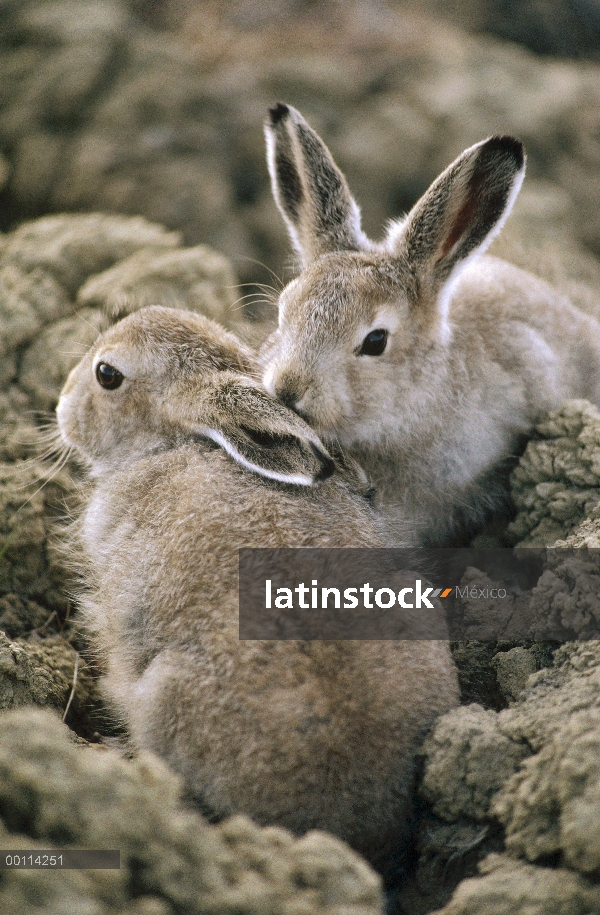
column 365, row 323
column 161, row 377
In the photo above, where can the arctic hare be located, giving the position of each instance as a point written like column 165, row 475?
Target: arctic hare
column 425, row 359
column 189, row 460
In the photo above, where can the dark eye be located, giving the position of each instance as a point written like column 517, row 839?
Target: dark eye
column 374, row 343
column 108, row 377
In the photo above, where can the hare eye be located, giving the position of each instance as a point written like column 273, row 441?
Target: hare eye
column 374, row 343
column 107, row 376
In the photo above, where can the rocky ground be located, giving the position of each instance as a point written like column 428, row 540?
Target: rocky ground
column 154, row 111
column 156, row 108
column 498, row 787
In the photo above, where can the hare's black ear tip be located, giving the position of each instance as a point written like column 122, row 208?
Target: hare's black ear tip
column 277, row 113
column 327, row 463
column 507, row 145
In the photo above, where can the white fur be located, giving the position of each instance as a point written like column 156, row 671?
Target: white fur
column 297, row 479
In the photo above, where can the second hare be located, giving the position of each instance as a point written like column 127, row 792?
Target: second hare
column 189, row 460
column 426, row 359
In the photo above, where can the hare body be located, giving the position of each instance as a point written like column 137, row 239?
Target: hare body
column 302, row 734
column 423, row 357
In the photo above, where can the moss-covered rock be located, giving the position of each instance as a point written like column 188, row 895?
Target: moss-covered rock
column 468, row 760
column 556, row 485
column 510, row 887
column 533, row 770
column 56, row 794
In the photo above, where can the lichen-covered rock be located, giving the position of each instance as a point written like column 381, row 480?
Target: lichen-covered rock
column 468, row 760
column 18, row 432
column 483, row 669
column 510, row 887
column 513, row 669
column 476, row 673
column 20, row 616
column 198, row 279
column 556, row 485
column 29, row 497
column 484, row 618
column 27, row 301
column 565, row 599
column 21, row 681
column 586, row 534
column 49, row 673
column 53, row 793
column 71, row 248
column 533, row 768
column 553, row 805
column 46, row 363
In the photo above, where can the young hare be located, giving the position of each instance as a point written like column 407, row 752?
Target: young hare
column 426, row 360
column 189, row 460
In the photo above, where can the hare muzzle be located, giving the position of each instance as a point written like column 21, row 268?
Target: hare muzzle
column 317, row 401
column 289, row 390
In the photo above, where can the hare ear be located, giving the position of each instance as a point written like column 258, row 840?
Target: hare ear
column 460, row 214
column 262, row 435
column 309, row 189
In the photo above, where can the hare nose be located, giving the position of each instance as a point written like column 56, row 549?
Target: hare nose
column 289, row 391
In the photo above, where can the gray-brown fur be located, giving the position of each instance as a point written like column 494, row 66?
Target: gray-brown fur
column 476, row 349
column 303, row 734
column 310, row 190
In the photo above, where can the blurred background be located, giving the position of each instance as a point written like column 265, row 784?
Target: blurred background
column 155, row 107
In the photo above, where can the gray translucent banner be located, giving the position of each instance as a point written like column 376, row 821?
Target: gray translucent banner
column 486, row 594
column 60, row 859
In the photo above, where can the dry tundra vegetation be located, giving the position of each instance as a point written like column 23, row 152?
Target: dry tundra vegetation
column 132, row 171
